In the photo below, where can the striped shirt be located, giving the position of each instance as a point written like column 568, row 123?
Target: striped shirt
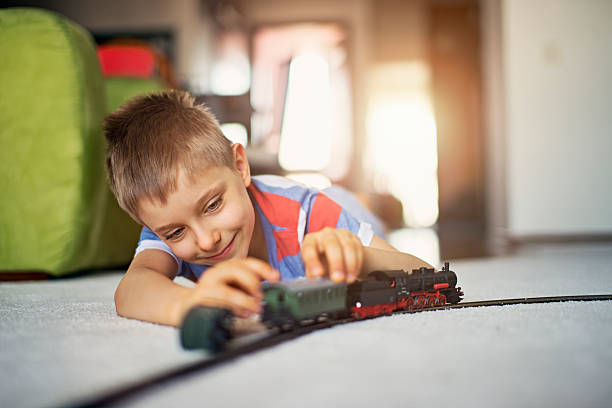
column 288, row 211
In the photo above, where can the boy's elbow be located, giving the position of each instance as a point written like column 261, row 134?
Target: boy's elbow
column 120, row 299
column 117, row 301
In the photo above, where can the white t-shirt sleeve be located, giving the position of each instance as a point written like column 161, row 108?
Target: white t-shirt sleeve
column 148, row 240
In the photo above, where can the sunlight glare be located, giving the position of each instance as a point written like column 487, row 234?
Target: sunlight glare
column 305, row 137
column 316, row 180
column 235, row 132
column 231, row 71
column 402, row 146
column 420, row 242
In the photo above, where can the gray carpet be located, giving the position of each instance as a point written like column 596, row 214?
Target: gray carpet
column 62, row 343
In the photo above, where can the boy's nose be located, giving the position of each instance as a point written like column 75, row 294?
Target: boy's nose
column 207, row 240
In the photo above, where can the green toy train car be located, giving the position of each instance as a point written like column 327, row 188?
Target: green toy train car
column 291, row 302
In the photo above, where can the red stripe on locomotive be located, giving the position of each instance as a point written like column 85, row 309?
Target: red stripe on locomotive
column 416, row 300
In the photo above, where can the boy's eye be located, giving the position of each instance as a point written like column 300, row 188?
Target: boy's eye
column 174, row 234
column 214, row 205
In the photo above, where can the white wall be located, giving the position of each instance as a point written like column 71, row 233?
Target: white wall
column 557, row 63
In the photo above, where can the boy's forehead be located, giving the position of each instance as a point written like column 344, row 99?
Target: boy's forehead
column 207, row 173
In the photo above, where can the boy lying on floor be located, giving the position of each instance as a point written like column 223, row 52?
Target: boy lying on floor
column 206, row 218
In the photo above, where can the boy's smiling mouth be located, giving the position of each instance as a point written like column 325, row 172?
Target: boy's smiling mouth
column 223, row 253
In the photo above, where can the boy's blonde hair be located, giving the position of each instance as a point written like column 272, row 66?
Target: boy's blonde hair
column 152, row 137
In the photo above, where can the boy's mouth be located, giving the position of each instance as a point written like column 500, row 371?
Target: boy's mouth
column 224, row 252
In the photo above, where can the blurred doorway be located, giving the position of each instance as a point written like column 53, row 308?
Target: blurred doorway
column 301, row 97
column 455, row 51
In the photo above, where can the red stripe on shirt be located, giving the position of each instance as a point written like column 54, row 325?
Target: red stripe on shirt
column 287, row 243
column 325, row 213
column 282, row 212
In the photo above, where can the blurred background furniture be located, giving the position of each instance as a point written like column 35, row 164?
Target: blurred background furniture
column 57, row 215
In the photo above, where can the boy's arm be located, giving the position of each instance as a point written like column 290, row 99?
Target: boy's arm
column 148, row 293
column 339, row 254
column 382, row 256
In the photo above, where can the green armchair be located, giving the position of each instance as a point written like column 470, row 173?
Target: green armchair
column 57, row 214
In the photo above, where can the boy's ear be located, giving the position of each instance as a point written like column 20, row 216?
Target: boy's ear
column 241, row 163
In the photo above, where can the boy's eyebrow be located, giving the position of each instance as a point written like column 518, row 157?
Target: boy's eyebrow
column 160, row 230
column 199, row 204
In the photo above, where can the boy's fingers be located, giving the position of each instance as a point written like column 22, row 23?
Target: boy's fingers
column 248, row 274
column 246, row 280
column 240, row 303
column 245, row 274
column 263, row 269
column 230, row 298
column 310, row 256
column 350, row 260
column 335, row 258
column 359, row 260
column 356, row 251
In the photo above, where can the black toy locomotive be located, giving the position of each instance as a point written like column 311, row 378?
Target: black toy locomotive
column 382, row 293
column 388, row 291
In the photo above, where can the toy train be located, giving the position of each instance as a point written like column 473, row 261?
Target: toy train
column 303, row 301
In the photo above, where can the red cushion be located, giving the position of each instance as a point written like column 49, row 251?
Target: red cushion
column 126, row 60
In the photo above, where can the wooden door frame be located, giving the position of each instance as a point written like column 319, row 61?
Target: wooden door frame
column 491, row 25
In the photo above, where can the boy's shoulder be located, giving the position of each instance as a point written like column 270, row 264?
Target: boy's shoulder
column 268, row 182
column 282, row 186
column 283, row 202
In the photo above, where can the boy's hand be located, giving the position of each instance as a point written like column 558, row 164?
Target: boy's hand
column 234, row 284
column 334, row 252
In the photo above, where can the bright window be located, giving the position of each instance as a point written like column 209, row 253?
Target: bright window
column 301, row 97
column 402, row 142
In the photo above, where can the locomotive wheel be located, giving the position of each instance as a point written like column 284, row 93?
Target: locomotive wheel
column 410, row 303
column 420, row 302
column 288, row 326
column 430, row 301
column 442, row 300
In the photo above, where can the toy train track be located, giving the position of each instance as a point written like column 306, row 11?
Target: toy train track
column 524, row 301
column 260, row 341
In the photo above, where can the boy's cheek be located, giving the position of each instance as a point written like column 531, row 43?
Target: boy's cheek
column 183, row 250
column 237, row 217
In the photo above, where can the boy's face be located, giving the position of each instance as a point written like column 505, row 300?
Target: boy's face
column 209, row 219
